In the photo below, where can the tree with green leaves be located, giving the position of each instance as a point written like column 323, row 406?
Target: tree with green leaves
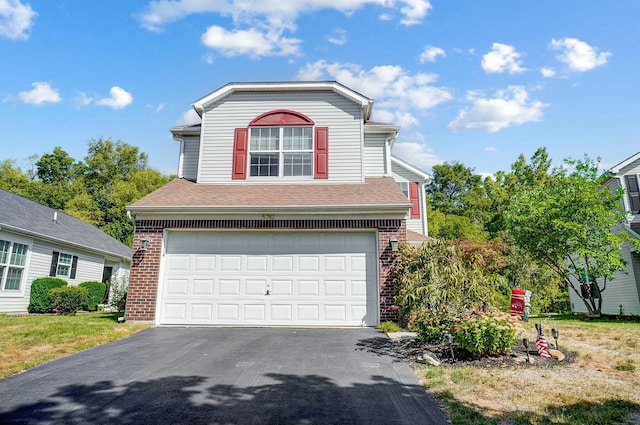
column 569, row 224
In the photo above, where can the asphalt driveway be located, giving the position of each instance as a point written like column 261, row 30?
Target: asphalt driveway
column 224, row 376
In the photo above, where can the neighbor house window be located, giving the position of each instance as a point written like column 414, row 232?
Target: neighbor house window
column 281, row 151
column 63, row 265
column 404, row 186
column 13, row 260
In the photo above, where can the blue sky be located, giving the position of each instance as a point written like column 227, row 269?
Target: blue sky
column 477, row 82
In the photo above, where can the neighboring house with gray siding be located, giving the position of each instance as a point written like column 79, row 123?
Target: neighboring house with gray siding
column 286, row 211
column 37, row 241
column 623, row 291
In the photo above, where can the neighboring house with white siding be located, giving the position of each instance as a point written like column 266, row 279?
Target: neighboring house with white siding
column 623, row 291
column 287, row 210
column 37, row 241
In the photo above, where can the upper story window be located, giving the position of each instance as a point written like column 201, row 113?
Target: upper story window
column 633, row 191
column 13, row 259
column 281, row 144
column 281, row 151
column 404, row 186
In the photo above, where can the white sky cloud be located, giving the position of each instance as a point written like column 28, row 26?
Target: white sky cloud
column 188, row 117
column 259, row 27
column 417, row 154
column 502, row 58
column 161, row 12
column 118, row 99
column 40, row 94
column 250, row 42
column 431, row 53
column 547, row 72
column 82, row 99
column 578, row 55
column 338, row 36
column 508, row 107
column 16, row 19
column 398, row 94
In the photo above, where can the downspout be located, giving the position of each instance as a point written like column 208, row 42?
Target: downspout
column 423, row 194
column 387, row 156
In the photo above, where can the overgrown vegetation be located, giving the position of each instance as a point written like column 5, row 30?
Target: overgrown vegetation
column 485, row 334
column 388, row 327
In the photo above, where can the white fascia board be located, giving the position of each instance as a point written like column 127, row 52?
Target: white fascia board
column 289, row 209
column 616, row 168
column 384, row 129
column 426, row 177
column 180, row 131
column 365, row 102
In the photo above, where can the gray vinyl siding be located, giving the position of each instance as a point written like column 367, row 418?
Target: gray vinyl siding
column 374, row 155
column 342, row 116
column 39, row 264
column 402, row 175
column 622, row 289
column 633, row 168
column 190, row 152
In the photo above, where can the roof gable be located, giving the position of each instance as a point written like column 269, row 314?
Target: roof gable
column 618, row 167
column 411, row 168
column 292, row 86
column 25, row 216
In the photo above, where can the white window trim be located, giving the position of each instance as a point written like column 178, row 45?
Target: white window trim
column 281, row 151
column 60, row 254
column 25, row 271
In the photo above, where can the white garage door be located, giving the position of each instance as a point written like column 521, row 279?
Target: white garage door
column 259, row 278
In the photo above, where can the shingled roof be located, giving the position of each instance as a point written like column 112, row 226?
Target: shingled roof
column 183, row 195
column 25, row 216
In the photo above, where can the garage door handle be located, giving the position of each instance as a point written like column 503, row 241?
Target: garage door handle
column 268, row 292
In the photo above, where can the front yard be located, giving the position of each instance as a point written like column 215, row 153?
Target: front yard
column 600, row 387
column 32, row 340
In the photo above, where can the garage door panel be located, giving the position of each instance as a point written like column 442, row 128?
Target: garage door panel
column 177, row 286
column 309, row 288
column 273, row 278
column 205, row 263
column 281, row 263
column 230, row 287
column 230, row 263
column 228, row 312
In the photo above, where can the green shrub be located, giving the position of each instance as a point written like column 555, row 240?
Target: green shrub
column 118, row 292
column 388, row 327
column 96, row 291
column 626, row 366
column 429, row 325
column 39, row 298
column 68, row 299
column 485, row 334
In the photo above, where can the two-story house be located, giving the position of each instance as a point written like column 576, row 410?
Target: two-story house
column 623, row 292
column 287, row 210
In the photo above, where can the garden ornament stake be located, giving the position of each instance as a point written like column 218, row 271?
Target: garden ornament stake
column 525, row 342
column 555, row 334
column 449, row 339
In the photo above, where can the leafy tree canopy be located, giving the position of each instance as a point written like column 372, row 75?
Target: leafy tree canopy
column 568, row 224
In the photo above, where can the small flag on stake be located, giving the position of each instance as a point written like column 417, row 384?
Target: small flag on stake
column 543, row 347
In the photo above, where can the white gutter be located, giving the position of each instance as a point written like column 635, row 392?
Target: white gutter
column 258, row 209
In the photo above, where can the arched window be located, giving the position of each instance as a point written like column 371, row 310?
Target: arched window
column 281, row 143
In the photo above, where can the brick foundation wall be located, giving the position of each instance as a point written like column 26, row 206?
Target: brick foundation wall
column 145, row 265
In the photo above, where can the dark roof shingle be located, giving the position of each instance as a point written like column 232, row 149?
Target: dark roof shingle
column 21, row 214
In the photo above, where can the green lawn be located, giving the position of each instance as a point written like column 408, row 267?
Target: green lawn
column 32, row 340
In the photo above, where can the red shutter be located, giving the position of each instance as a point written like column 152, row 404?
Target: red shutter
column 321, row 153
column 414, row 197
column 240, row 146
